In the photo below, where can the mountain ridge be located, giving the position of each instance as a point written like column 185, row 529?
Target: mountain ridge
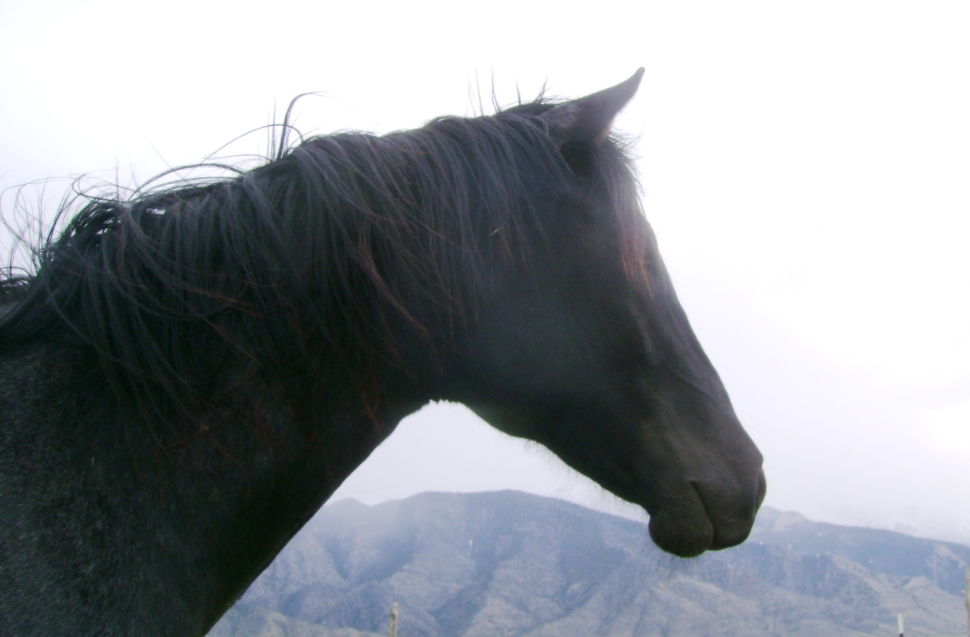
column 507, row 563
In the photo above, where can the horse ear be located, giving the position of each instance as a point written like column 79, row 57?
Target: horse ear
column 589, row 119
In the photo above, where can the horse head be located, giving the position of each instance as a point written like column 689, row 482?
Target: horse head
column 585, row 349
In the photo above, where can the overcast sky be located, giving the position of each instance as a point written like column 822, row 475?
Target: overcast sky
column 806, row 167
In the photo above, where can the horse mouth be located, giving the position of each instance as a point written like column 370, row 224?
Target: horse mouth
column 699, row 519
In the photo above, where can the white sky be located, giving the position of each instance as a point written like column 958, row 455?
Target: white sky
column 806, row 167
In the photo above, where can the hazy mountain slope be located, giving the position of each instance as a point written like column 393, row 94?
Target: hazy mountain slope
column 881, row 551
column 506, row 564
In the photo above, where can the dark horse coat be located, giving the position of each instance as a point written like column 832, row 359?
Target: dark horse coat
column 189, row 374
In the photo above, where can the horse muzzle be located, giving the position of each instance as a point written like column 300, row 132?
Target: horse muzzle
column 701, row 516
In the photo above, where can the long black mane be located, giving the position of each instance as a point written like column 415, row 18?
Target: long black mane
column 301, row 263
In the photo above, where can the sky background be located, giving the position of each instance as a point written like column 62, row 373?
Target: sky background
column 806, row 167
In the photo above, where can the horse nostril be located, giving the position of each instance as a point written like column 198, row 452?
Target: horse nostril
column 762, row 490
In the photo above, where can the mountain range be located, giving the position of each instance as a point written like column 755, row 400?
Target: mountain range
column 508, row 564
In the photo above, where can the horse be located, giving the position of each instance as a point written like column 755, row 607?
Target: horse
column 189, row 372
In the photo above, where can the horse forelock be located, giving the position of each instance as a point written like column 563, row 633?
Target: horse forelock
column 317, row 251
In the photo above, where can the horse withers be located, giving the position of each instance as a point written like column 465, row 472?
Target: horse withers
column 189, row 373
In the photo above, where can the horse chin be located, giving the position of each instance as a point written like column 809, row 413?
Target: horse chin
column 682, row 527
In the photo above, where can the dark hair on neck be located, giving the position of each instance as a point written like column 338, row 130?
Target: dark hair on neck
column 302, row 263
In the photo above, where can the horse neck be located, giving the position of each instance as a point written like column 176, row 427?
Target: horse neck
column 189, row 528
column 195, row 511
column 378, row 352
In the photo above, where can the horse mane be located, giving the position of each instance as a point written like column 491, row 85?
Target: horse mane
column 302, row 263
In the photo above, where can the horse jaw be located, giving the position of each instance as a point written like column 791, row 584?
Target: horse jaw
column 697, row 500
